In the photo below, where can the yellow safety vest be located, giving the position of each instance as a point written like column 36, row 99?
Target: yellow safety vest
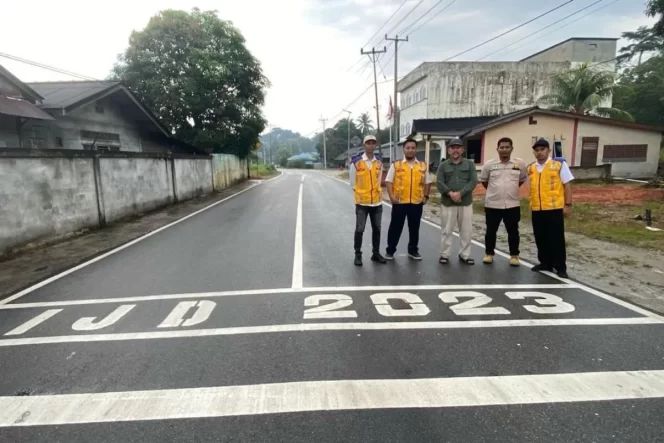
column 367, row 182
column 547, row 191
column 408, row 183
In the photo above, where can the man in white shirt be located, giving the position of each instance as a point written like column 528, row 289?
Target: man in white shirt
column 408, row 185
column 365, row 173
column 550, row 201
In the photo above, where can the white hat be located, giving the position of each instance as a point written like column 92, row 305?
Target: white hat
column 369, row 138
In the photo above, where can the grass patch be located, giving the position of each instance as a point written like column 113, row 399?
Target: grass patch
column 613, row 223
column 261, row 171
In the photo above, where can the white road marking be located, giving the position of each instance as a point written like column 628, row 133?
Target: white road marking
column 333, row 395
column 120, row 248
column 247, row 292
column 92, row 324
column 297, row 256
column 303, row 178
column 41, row 318
column 593, row 291
column 308, row 327
column 176, row 318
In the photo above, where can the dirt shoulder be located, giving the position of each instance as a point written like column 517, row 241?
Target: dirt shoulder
column 40, row 262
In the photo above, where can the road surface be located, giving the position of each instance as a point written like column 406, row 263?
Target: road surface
column 248, row 322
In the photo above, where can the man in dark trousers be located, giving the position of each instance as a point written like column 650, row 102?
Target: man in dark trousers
column 550, row 201
column 365, row 173
column 502, row 177
column 408, row 185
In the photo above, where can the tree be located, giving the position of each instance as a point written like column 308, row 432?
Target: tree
column 364, row 123
column 645, row 41
column 336, row 138
column 582, row 91
column 283, row 154
column 641, row 91
column 653, row 9
column 195, row 72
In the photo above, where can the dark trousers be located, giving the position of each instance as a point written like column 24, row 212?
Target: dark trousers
column 549, row 230
column 401, row 212
column 375, row 215
column 511, row 218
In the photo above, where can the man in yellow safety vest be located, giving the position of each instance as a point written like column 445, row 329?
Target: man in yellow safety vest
column 365, row 173
column 408, row 185
column 550, row 201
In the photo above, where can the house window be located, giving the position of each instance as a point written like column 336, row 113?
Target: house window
column 58, row 142
column 34, row 137
column 558, row 148
column 625, row 153
column 100, row 141
column 407, row 128
column 100, row 148
column 99, row 109
column 424, row 91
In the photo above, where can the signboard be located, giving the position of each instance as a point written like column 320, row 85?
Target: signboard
column 356, row 141
column 258, row 145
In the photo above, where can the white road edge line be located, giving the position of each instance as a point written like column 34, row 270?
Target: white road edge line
column 247, row 292
column 329, row 395
column 297, row 255
column 593, row 291
column 124, row 246
column 308, row 327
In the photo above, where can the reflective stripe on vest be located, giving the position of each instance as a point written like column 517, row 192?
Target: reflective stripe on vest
column 367, row 183
column 409, row 182
column 547, row 191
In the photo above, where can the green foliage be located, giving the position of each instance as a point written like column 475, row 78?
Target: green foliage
column 641, row 91
column 283, row 154
column 297, row 163
column 336, row 138
column 644, row 40
column 365, row 124
column 195, row 72
column 655, row 8
column 582, row 90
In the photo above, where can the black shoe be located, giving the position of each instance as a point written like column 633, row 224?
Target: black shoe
column 415, row 255
column 389, row 256
column 541, row 267
column 358, row 259
column 378, row 258
column 562, row 274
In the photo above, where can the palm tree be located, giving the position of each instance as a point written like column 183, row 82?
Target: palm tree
column 645, row 40
column 582, row 91
column 364, row 123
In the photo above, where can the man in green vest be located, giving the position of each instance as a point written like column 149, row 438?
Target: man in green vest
column 456, row 180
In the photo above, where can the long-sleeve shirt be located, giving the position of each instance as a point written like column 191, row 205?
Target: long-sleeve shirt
column 456, row 177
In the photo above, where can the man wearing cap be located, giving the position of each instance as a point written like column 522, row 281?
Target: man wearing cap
column 502, row 177
column 408, row 185
column 550, row 201
column 456, row 180
column 365, row 173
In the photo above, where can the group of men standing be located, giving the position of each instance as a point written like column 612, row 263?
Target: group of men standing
column 409, row 185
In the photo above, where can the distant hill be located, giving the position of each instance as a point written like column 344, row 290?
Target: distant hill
column 285, row 144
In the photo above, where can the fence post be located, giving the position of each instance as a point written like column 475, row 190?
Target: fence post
column 175, row 182
column 99, row 189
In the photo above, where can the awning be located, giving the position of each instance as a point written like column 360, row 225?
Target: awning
column 17, row 107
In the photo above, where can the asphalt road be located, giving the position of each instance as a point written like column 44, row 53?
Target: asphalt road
column 249, row 323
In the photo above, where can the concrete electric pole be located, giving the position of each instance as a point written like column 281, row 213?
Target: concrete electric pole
column 373, row 57
column 323, row 120
column 348, row 148
column 395, row 119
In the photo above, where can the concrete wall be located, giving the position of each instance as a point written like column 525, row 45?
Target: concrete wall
column 134, row 185
column 602, row 172
column 228, row 170
column 618, row 135
column 522, row 132
column 579, row 51
column 194, row 178
column 45, row 194
column 45, row 197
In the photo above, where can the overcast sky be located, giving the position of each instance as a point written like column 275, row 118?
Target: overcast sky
column 309, row 49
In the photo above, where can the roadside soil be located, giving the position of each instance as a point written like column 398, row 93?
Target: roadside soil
column 40, row 261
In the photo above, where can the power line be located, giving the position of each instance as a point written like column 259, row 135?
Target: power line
column 431, row 18
column 386, row 22
column 404, row 17
column 405, row 30
column 373, row 54
column 541, row 29
column 47, row 67
column 510, row 30
column 567, row 24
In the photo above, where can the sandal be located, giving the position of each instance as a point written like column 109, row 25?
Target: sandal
column 443, row 260
column 468, row 261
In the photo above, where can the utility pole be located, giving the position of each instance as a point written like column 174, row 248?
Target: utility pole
column 373, row 57
column 323, row 120
column 348, row 148
column 395, row 118
column 270, row 156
